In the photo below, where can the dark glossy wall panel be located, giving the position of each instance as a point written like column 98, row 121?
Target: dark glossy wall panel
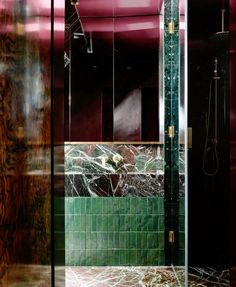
column 25, row 178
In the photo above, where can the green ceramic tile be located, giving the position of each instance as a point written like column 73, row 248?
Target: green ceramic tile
column 83, row 205
column 70, row 257
column 144, row 205
column 161, row 258
column 144, row 240
column 82, row 223
column 91, row 257
column 88, row 223
column 133, row 240
column 150, row 208
column 82, row 258
column 161, row 224
column 153, row 257
column 124, row 257
column 133, row 222
column 99, row 222
column 122, row 240
column 124, row 205
column 116, row 222
column 76, row 220
column 82, row 240
column 161, row 240
column 105, row 222
column 77, row 205
column 96, row 207
column 110, row 243
column 110, row 222
column 110, row 254
column 133, row 257
column 142, row 257
column 116, row 239
column 105, row 206
column 69, row 205
column 116, row 257
column 115, row 202
column 94, row 222
column 133, row 203
column 110, row 206
column 99, row 240
column 77, row 254
column 152, row 240
column 88, row 204
column 102, row 257
column 156, row 206
column 139, row 222
column 161, row 206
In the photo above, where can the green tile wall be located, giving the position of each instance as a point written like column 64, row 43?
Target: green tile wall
column 59, row 231
column 114, row 231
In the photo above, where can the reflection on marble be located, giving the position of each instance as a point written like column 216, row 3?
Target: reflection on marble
column 208, row 277
column 27, row 276
column 113, row 158
column 40, row 276
column 114, row 185
column 124, row 276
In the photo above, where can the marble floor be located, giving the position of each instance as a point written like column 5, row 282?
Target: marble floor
column 40, row 276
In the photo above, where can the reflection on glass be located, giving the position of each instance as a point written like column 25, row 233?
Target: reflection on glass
column 25, row 180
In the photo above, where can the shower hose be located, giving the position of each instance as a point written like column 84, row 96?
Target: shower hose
column 212, row 147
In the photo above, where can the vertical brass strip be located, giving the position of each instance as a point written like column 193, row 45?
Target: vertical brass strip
column 171, row 27
column 171, row 131
column 171, row 237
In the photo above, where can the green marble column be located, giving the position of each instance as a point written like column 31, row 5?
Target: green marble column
column 171, row 99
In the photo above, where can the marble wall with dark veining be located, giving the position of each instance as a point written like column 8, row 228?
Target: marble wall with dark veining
column 116, row 170
column 25, row 179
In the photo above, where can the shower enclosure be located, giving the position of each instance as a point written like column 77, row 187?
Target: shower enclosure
column 93, row 148
column 123, row 204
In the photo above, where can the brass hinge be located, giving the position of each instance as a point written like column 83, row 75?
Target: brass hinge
column 171, row 27
column 171, row 131
column 171, row 236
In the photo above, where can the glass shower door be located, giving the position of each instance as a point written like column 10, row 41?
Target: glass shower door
column 124, row 180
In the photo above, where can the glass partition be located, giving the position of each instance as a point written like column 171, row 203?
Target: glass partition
column 125, row 142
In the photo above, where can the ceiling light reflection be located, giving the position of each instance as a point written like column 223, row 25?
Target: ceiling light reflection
column 133, row 3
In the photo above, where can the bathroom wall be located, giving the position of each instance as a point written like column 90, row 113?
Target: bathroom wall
column 25, row 176
column 114, row 211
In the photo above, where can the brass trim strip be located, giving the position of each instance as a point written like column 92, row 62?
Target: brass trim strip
column 171, row 236
column 171, row 131
column 171, row 27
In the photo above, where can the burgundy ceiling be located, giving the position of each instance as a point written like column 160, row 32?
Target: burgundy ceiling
column 108, row 8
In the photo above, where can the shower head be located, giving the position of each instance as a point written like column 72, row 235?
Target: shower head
column 220, row 36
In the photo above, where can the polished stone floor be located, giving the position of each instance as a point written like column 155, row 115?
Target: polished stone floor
column 38, row 276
